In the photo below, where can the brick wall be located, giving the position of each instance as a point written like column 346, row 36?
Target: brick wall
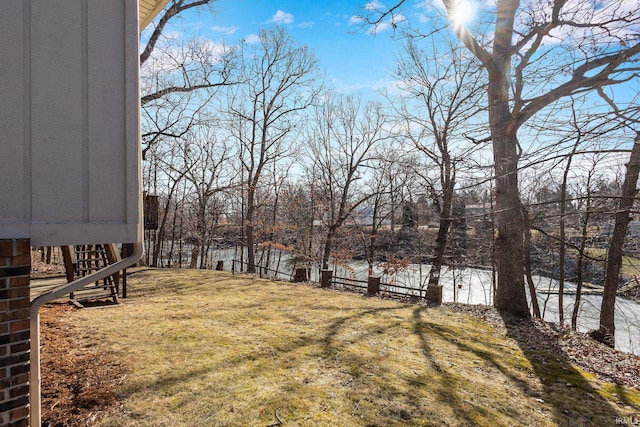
column 15, row 267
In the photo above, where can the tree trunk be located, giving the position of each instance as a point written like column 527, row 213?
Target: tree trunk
column 251, row 256
column 173, row 235
column 157, row 247
column 327, row 248
column 563, row 208
column 580, row 266
column 374, row 234
column 443, row 232
column 527, row 264
column 510, row 291
column 614, row 255
column 194, row 256
column 563, row 250
column 372, row 242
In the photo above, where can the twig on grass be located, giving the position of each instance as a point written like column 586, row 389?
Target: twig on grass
column 278, row 421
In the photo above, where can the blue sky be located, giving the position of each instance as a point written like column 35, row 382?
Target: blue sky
column 352, row 60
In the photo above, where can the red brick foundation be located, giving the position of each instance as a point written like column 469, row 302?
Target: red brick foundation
column 15, row 268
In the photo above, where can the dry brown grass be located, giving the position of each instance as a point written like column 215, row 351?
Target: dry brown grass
column 212, row 349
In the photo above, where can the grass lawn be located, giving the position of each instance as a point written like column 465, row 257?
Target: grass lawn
column 205, row 348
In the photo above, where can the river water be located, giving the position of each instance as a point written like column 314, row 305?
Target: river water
column 473, row 286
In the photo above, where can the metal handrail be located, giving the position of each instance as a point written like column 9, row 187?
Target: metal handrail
column 35, row 413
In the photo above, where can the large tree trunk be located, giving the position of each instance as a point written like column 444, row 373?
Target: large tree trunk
column 510, row 291
column 614, row 255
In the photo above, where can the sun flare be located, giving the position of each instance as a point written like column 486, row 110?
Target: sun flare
column 463, row 13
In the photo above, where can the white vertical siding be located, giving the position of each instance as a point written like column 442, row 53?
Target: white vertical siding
column 69, row 138
column 13, row 180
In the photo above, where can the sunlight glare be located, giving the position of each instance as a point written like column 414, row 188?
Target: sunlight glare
column 463, row 14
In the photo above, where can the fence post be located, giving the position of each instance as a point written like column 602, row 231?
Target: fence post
column 434, row 294
column 300, row 275
column 373, row 285
column 325, row 278
column 233, row 266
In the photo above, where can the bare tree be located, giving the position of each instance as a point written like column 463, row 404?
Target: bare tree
column 445, row 91
column 584, row 230
column 606, row 332
column 173, row 9
column 535, row 54
column 179, row 77
column 172, row 167
column 209, row 177
column 342, row 141
column 388, row 180
column 279, row 81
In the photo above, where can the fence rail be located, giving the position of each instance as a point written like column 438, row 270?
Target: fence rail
column 260, row 270
column 348, row 283
column 371, row 286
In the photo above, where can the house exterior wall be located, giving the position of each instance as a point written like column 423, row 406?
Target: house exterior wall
column 69, row 133
column 15, row 265
column 69, row 151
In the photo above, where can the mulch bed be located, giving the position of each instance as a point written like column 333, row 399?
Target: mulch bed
column 79, row 378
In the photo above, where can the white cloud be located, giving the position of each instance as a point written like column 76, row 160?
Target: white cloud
column 225, row 30
column 306, row 24
column 398, row 18
column 384, row 26
column 356, row 20
column 281, row 17
column 216, row 50
column 373, row 5
column 252, row 38
column 423, row 19
column 379, row 28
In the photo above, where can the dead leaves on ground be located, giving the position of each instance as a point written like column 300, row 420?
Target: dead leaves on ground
column 79, row 377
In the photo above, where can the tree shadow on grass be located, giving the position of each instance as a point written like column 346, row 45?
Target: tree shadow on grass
column 447, row 383
column 572, row 399
column 564, row 392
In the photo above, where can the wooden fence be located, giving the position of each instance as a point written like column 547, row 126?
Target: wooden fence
column 371, row 286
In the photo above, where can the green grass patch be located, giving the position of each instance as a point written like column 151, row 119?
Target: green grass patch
column 212, row 349
column 630, row 265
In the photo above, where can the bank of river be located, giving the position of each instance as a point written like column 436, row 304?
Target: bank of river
column 474, row 286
